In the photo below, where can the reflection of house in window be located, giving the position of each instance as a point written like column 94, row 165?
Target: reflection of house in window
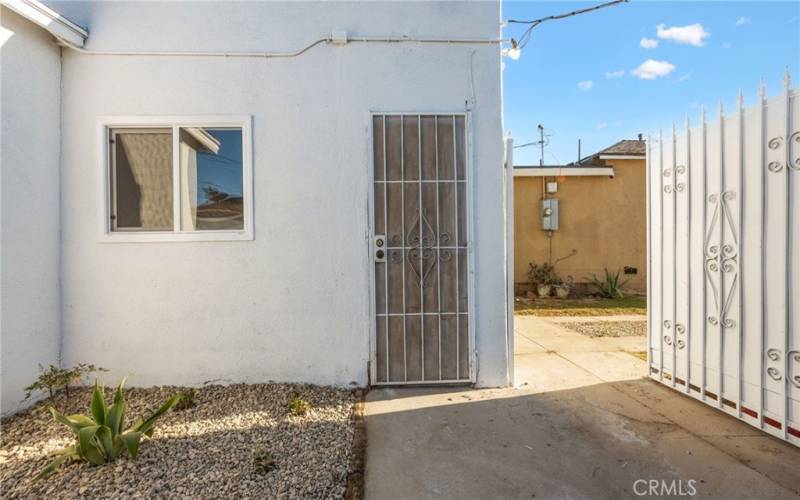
column 211, row 179
column 143, row 180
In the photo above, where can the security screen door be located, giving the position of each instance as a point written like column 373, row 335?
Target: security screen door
column 420, row 249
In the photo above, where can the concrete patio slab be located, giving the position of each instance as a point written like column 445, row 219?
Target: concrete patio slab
column 586, row 425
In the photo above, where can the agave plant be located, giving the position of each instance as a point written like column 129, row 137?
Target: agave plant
column 610, row 286
column 101, row 438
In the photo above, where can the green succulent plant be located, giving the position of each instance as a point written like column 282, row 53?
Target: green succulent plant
column 264, row 461
column 297, row 405
column 101, row 438
column 610, row 286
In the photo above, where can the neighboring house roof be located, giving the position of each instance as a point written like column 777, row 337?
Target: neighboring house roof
column 42, row 15
column 625, row 148
column 562, row 170
column 590, row 165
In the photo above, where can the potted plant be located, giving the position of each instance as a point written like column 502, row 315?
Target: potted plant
column 542, row 276
column 563, row 287
column 543, row 289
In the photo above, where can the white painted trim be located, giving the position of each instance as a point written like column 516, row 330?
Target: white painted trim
column 563, row 171
column 373, row 295
column 509, row 180
column 469, row 175
column 104, row 123
column 56, row 24
column 622, row 157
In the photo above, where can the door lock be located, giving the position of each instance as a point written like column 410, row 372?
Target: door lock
column 380, row 252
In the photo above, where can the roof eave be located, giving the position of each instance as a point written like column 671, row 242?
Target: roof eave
column 621, row 157
column 56, row 24
column 563, row 171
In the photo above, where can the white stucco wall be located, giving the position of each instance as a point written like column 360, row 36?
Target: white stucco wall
column 292, row 305
column 29, row 175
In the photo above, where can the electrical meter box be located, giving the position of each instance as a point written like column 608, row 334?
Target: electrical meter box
column 550, row 215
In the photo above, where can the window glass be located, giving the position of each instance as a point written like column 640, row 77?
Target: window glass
column 141, row 180
column 211, row 179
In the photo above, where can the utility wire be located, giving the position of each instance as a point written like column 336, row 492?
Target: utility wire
column 523, row 40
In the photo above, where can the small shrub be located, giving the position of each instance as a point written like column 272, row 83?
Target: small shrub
column 100, row 438
column 542, row 274
column 187, row 400
column 297, row 405
column 610, row 286
column 53, row 379
column 264, row 462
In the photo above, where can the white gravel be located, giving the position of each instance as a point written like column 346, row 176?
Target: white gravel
column 608, row 328
column 202, row 452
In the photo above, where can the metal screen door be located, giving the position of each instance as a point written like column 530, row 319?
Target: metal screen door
column 420, row 249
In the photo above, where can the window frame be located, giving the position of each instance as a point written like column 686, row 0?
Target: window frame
column 107, row 123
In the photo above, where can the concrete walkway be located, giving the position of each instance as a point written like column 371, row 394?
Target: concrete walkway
column 583, row 423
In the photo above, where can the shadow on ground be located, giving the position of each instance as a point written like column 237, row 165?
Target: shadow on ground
column 584, row 422
column 594, row 442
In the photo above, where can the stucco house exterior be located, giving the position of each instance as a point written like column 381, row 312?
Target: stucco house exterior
column 599, row 220
column 242, row 192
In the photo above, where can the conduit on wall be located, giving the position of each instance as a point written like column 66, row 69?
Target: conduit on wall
column 337, row 38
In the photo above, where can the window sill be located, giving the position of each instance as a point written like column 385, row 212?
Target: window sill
column 163, row 237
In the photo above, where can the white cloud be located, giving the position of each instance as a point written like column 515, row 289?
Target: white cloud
column 648, row 43
column 652, row 69
column 682, row 78
column 727, row 45
column 693, row 34
column 601, row 125
column 585, row 85
column 615, row 74
column 743, row 20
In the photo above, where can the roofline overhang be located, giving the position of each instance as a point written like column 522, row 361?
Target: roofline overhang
column 622, row 157
column 56, row 24
column 563, row 171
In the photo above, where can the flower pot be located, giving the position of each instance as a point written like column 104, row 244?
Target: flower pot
column 562, row 292
column 543, row 290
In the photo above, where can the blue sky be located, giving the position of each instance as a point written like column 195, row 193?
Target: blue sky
column 736, row 45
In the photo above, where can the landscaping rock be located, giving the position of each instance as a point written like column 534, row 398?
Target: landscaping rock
column 607, row 328
column 207, row 451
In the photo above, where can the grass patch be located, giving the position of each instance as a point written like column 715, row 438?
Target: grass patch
column 589, row 306
column 639, row 354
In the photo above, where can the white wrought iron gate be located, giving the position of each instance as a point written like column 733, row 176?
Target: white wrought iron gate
column 724, row 256
column 421, row 249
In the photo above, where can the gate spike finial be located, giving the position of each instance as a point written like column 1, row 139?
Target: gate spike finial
column 762, row 89
column 740, row 99
column 787, row 78
column 721, row 109
column 703, row 115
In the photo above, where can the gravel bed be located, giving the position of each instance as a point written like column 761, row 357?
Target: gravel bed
column 608, row 328
column 206, row 451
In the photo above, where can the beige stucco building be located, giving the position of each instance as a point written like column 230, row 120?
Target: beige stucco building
column 598, row 216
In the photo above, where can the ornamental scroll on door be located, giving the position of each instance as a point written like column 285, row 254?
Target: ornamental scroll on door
column 420, row 249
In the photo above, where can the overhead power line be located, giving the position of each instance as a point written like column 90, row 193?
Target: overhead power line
column 523, row 40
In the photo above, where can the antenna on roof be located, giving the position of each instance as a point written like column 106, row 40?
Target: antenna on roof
column 541, row 143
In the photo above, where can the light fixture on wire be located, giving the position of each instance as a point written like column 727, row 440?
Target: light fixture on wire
column 514, row 52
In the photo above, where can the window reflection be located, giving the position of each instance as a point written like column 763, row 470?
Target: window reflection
column 211, row 179
column 141, row 180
